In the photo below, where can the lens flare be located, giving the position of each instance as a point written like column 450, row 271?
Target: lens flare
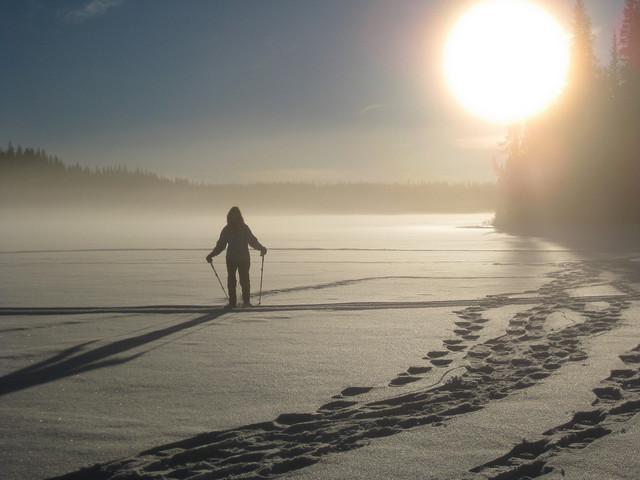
column 506, row 59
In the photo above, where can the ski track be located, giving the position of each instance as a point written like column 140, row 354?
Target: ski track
column 468, row 376
column 176, row 309
column 495, row 302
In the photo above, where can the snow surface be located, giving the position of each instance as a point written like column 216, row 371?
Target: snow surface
column 113, row 344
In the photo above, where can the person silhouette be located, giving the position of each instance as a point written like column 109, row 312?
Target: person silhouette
column 236, row 236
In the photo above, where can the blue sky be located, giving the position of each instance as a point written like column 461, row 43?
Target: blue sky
column 249, row 90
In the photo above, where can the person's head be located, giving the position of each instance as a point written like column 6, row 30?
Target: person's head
column 234, row 217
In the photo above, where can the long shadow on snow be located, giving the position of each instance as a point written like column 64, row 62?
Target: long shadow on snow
column 76, row 359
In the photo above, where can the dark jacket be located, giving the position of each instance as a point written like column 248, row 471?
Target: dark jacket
column 237, row 238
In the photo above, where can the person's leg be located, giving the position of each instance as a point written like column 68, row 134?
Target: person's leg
column 245, row 283
column 231, row 281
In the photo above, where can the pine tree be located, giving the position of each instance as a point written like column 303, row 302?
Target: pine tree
column 630, row 55
column 583, row 68
column 628, row 141
column 630, row 35
column 613, row 72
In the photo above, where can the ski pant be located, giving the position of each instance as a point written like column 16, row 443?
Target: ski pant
column 243, row 272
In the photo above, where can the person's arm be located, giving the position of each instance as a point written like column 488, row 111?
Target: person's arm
column 219, row 248
column 254, row 243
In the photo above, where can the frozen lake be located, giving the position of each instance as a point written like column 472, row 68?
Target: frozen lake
column 311, row 259
column 156, row 363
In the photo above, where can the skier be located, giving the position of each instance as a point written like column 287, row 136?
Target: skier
column 237, row 236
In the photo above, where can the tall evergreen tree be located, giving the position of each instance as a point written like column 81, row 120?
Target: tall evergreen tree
column 583, row 67
column 613, row 72
column 630, row 35
column 630, row 54
column 628, row 141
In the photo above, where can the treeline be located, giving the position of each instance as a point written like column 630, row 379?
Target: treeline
column 579, row 161
column 34, row 179
column 29, row 166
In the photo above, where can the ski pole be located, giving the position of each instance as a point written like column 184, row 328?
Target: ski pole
column 261, row 272
column 214, row 271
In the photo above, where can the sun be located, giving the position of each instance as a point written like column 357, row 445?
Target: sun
column 506, row 59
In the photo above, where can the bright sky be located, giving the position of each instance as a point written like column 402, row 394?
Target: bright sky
column 242, row 91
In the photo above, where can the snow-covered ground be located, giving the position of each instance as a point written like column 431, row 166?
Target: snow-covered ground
column 113, row 341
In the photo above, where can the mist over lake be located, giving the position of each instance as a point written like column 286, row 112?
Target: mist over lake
column 57, row 260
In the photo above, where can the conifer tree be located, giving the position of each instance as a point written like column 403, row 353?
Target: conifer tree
column 630, row 35
column 630, row 53
column 628, row 141
column 583, row 68
column 613, row 72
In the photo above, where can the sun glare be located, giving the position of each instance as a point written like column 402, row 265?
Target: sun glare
column 506, row 59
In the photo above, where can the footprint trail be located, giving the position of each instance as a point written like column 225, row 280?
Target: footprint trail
column 465, row 375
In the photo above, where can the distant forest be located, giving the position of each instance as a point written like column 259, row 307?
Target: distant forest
column 32, row 178
column 579, row 161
